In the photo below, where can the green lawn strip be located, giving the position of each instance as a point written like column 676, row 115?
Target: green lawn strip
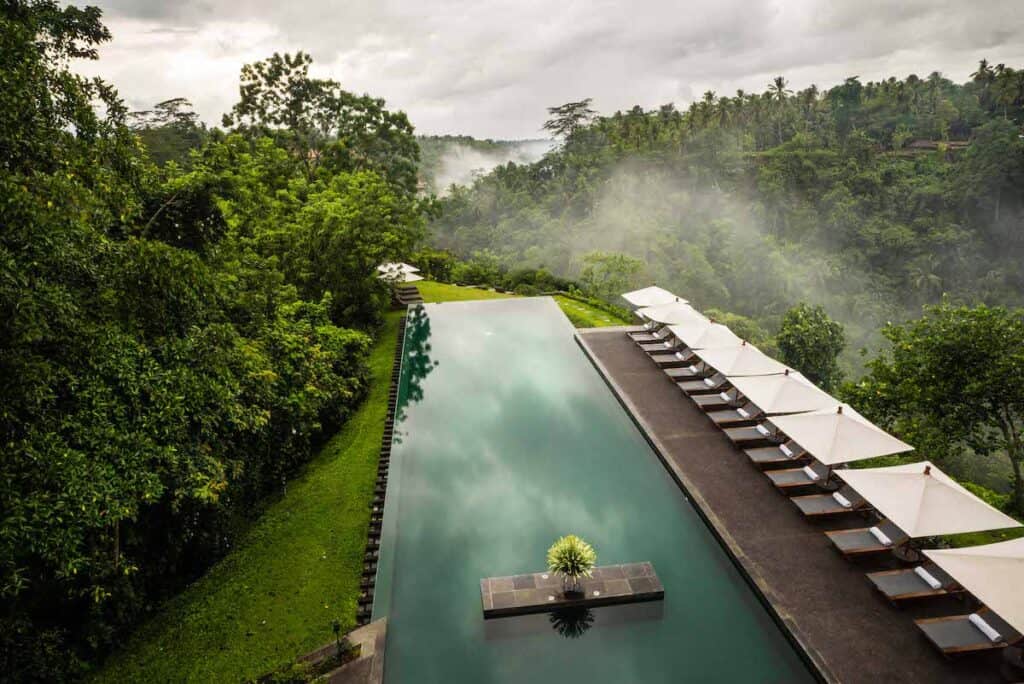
column 443, row 292
column 294, row 572
column 583, row 315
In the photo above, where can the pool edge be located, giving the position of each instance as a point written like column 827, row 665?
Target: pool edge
column 811, row 658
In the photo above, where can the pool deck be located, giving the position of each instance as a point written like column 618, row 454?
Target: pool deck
column 843, row 626
column 541, row 592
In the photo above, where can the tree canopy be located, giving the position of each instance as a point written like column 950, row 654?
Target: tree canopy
column 953, row 381
column 175, row 340
column 811, row 342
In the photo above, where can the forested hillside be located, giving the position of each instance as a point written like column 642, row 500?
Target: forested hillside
column 175, row 340
column 458, row 159
column 870, row 198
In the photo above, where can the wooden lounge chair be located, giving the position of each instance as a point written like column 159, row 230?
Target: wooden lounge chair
column 646, row 329
column 753, row 434
column 659, row 336
column 679, row 358
column 742, row 415
column 821, row 505
column 791, row 479
column 957, row 634
column 776, row 456
column 695, row 371
column 716, row 402
column 914, row 583
column 861, row 542
column 668, row 346
column 714, row 384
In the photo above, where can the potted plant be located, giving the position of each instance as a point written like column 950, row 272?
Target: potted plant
column 573, row 559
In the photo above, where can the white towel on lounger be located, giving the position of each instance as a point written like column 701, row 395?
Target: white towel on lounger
column 679, row 355
column 763, row 430
column 842, row 500
column 988, row 630
column 667, row 343
column 648, row 325
column 709, row 382
column 723, row 396
column 743, row 414
column 928, row 577
column 692, row 368
column 880, row 536
column 809, row 472
column 786, row 450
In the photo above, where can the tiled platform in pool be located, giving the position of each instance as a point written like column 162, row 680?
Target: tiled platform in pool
column 540, row 592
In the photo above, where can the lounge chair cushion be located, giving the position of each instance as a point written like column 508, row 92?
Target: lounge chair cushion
column 842, row 500
column 763, row 430
column 786, row 451
column 811, row 475
column 881, row 536
column 928, row 577
column 988, row 630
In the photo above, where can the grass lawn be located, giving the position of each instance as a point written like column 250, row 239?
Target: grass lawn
column 583, row 315
column 298, row 568
column 443, row 292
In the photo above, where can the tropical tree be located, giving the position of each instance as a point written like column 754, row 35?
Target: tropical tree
column 811, row 342
column 608, row 274
column 322, row 124
column 566, row 118
column 953, row 381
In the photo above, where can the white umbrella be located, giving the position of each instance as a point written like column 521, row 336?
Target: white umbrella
column 992, row 572
column 397, row 266
column 703, row 334
column 790, row 392
column 651, row 296
column 671, row 314
column 923, row 501
column 746, row 359
column 400, row 277
column 838, row 435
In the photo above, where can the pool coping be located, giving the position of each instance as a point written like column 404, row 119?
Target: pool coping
column 816, row 664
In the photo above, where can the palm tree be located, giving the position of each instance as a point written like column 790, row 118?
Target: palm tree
column 778, row 92
column 984, row 73
column 778, row 89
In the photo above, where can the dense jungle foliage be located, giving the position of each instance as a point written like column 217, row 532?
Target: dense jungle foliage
column 870, row 199
column 177, row 338
column 458, row 159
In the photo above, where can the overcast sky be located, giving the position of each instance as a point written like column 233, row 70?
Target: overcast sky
column 489, row 68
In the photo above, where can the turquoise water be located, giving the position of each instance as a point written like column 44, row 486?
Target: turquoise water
column 506, row 438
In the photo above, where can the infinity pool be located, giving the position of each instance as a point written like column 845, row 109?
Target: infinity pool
column 506, row 438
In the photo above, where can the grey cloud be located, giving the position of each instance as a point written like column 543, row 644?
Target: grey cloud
column 491, row 68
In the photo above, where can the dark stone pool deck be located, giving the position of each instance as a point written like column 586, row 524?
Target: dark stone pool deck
column 541, row 592
column 845, row 628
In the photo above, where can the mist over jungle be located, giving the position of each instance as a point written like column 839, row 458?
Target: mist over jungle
column 871, row 199
column 195, row 332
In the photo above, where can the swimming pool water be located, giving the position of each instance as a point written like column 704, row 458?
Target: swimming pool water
column 507, row 438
